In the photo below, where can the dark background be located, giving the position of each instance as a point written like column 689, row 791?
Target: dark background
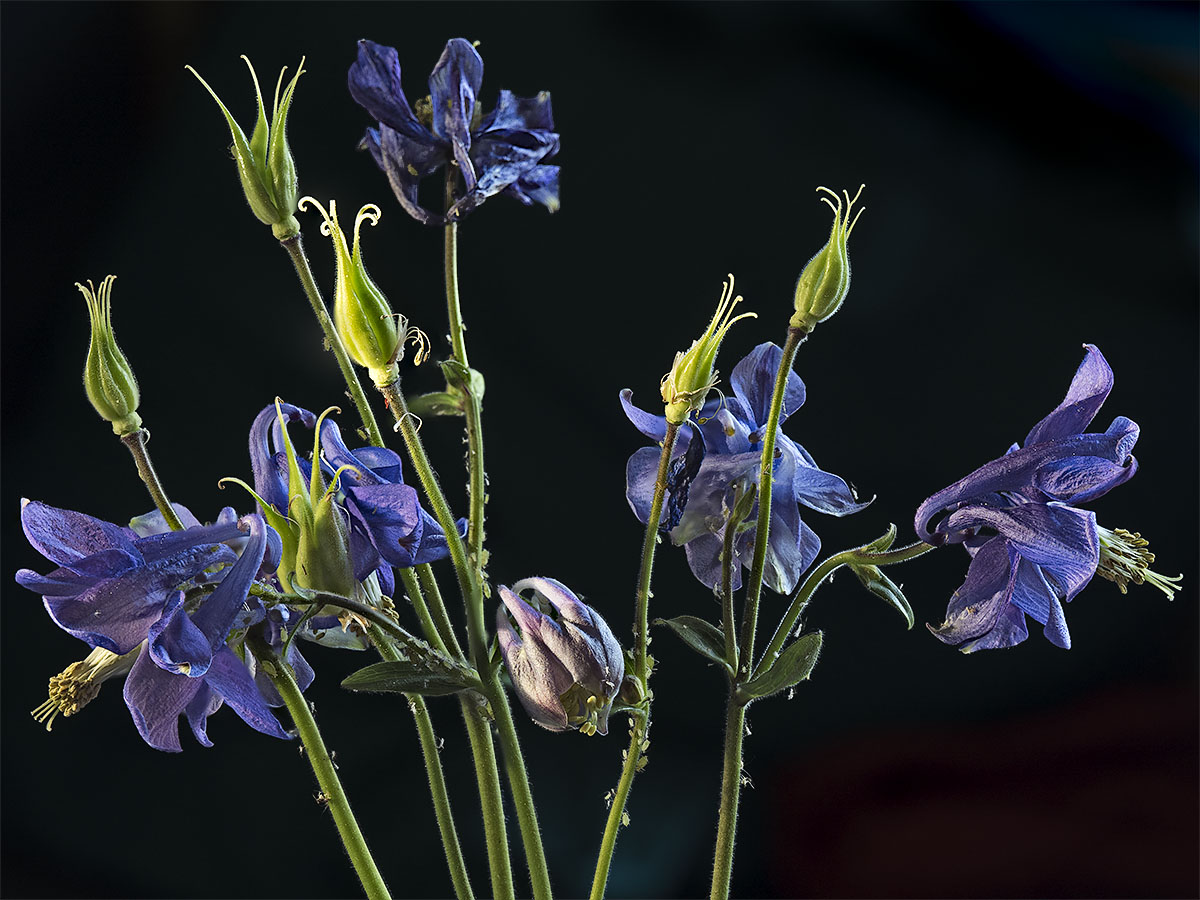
column 1031, row 185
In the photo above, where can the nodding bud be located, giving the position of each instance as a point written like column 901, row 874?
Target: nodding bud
column 265, row 164
column 694, row 373
column 825, row 281
column 109, row 381
column 374, row 336
column 565, row 670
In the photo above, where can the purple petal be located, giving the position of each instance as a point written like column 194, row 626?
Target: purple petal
column 704, row 559
column 217, row 612
column 204, row 704
column 975, row 608
column 815, row 488
column 268, row 483
column 374, row 82
column 1033, row 595
column 502, row 159
column 1089, row 389
column 176, row 643
column 230, row 678
column 405, row 162
column 706, row 509
column 652, row 426
column 641, row 473
column 453, row 87
column 523, row 113
column 538, row 185
column 1078, row 479
column 391, row 515
column 753, row 382
column 156, row 699
column 64, row 536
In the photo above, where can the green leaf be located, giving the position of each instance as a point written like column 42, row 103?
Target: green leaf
column 794, row 665
column 873, row 579
column 405, row 677
column 704, row 637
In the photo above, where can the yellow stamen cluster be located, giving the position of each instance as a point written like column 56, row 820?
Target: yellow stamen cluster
column 1124, row 557
column 78, row 684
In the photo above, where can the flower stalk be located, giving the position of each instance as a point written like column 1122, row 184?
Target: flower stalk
column 136, row 442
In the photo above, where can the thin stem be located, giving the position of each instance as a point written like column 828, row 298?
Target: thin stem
column 487, row 775
column 518, row 783
column 322, row 765
column 795, row 337
column 136, row 442
column 616, row 809
column 727, row 615
column 819, row 576
column 641, row 727
column 437, row 782
column 731, row 786
column 642, row 600
column 437, row 608
column 295, row 248
column 417, row 598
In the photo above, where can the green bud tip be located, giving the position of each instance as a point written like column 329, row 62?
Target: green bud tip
column 107, row 378
column 374, row 335
column 693, row 374
column 825, row 281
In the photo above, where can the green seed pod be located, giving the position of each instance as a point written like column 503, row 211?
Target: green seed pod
column 109, row 381
column 825, row 281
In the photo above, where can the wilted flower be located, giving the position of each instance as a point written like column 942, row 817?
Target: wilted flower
column 733, row 431
column 502, row 151
column 565, row 670
column 1032, row 547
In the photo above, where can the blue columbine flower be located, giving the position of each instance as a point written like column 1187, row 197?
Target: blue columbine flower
column 565, row 672
column 732, row 431
column 121, row 590
column 1018, row 517
column 502, row 151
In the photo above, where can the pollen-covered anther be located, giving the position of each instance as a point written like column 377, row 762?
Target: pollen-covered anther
column 78, row 684
column 1124, row 557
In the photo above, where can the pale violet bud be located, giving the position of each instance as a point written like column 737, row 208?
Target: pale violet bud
column 694, row 373
column 374, row 336
column 825, row 281
column 107, row 378
column 265, row 164
column 566, row 669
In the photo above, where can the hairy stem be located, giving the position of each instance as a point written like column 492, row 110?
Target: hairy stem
column 136, row 442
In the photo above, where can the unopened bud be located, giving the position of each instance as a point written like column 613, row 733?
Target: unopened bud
column 109, row 381
column 825, row 281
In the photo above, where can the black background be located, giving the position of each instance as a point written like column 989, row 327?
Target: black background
column 1031, row 185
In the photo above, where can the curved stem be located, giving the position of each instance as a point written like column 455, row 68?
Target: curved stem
column 731, row 788
column 437, row 781
column 295, row 248
column 616, row 809
column 795, row 337
column 322, row 765
column 136, row 442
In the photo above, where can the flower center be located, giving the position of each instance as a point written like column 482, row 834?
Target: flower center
column 75, row 687
column 1124, row 557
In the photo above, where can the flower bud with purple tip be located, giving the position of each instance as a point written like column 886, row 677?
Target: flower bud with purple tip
column 566, row 670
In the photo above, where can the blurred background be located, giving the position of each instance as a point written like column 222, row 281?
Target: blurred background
column 1031, row 185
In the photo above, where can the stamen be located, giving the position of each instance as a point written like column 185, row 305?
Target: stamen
column 76, row 686
column 1124, row 557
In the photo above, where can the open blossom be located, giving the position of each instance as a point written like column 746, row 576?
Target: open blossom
column 732, row 430
column 1020, row 517
column 503, row 151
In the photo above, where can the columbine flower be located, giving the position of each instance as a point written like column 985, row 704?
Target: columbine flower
column 565, row 672
column 733, row 430
column 1018, row 517
column 502, row 151
column 124, row 595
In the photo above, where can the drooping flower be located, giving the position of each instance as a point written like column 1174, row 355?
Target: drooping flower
column 565, row 670
column 733, row 430
column 1032, row 546
column 503, row 151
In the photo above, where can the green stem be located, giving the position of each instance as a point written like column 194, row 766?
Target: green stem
column 437, row 607
column 727, row 616
column 417, row 598
column 731, row 787
column 795, row 337
column 477, row 491
column 616, row 809
column 641, row 727
column 819, row 576
column 437, row 782
column 295, row 248
column 136, row 442
column 487, row 775
column 322, row 765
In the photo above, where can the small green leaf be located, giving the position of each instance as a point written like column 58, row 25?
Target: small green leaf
column 873, row 579
column 704, row 637
column 794, row 665
column 407, row 678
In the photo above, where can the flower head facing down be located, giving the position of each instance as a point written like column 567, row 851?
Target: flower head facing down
column 733, row 430
column 1032, row 546
column 567, row 669
column 503, row 151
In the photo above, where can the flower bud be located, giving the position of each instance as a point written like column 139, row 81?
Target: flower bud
column 374, row 336
column 694, row 374
column 565, row 671
column 109, row 381
column 825, row 281
column 265, row 164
